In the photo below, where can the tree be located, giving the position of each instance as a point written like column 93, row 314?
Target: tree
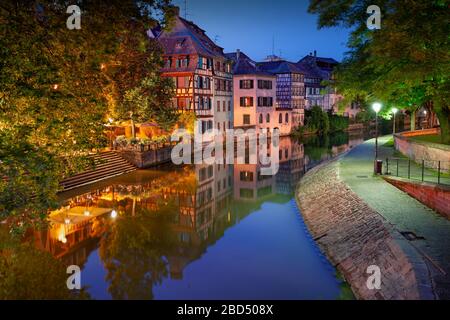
column 56, row 92
column 406, row 63
column 140, row 92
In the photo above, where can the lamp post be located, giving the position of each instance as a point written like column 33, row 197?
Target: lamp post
column 394, row 111
column 376, row 107
column 425, row 118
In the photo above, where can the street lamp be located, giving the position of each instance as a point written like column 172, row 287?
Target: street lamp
column 376, row 107
column 394, row 111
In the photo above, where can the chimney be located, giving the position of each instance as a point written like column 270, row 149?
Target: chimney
column 238, row 54
column 315, row 53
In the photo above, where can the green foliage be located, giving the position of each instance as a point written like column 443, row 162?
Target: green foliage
column 56, row 90
column 317, row 120
column 338, row 123
column 27, row 273
column 405, row 64
column 134, row 251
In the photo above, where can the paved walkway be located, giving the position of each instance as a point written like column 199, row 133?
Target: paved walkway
column 355, row 237
column 402, row 211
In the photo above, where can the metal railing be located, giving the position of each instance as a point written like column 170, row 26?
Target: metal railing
column 434, row 171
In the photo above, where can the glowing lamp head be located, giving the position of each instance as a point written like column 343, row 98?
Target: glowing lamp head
column 87, row 213
column 67, row 221
column 114, row 214
column 110, row 120
column 394, row 110
column 376, row 107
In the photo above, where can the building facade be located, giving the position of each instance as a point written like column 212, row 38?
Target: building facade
column 290, row 90
column 319, row 69
column 201, row 73
column 255, row 97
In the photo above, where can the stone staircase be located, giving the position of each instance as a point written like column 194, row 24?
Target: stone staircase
column 108, row 164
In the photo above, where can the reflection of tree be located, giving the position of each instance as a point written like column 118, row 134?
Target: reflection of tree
column 134, row 251
column 28, row 273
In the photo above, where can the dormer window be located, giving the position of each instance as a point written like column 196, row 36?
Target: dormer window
column 180, row 44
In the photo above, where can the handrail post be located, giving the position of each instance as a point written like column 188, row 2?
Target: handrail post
column 397, row 167
column 423, row 169
column 409, row 169
column 387, row 165
column 439, row 172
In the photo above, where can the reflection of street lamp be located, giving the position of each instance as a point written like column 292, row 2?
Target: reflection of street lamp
column 394, row 111
column 376, row 107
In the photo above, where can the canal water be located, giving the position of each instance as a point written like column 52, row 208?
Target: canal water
column 198, row 232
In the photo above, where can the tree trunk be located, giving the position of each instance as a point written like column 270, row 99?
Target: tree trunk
column 443, row 114
column 133, row 129
column 413, row 120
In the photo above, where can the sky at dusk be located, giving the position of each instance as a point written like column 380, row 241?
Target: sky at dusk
column 251, row 26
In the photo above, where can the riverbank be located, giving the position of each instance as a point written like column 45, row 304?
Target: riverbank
column 361, row 219
column 354, row 237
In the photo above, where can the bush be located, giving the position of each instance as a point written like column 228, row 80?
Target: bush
column 317, row 120
column 338, row 123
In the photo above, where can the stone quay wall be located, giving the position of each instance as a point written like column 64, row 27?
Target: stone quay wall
column 147, row 158
column 423, row 150
column 436, row 197
column 354, row 237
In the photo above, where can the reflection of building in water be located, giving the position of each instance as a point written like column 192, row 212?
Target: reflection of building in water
column 250, row 184
column 291, row 166
column 201, row 195
column 198, row 202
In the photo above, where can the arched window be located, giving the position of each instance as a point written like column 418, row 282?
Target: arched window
column 280, row 118
column 287, row 117
column 260, row 118
column 268, row 118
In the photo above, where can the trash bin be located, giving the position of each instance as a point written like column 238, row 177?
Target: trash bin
column 378, row 166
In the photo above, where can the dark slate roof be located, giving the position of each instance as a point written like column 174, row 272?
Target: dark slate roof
column 245, row 65
column 276, row 67
column 187, row 38
column 315, row 59
column 311, row 71
column 318, row 66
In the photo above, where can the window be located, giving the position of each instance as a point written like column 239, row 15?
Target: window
column 218, row 126
column 265, row 101
column 287, row 118
column 280, row 118
column 246, row 176
column 218, row 105
column 246, row 119
column 229, row 105
column 246, row 84
column 260, row 118
column 246, row 101
column 264, row 84
column 224, row 106
column 168, row 62
column 268, row 118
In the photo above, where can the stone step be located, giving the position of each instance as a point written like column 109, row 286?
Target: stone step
column 108, row 164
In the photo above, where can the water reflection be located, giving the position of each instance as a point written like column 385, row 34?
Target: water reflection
column 151, row 234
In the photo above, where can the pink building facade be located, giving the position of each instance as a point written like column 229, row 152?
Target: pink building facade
column 255, row 98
